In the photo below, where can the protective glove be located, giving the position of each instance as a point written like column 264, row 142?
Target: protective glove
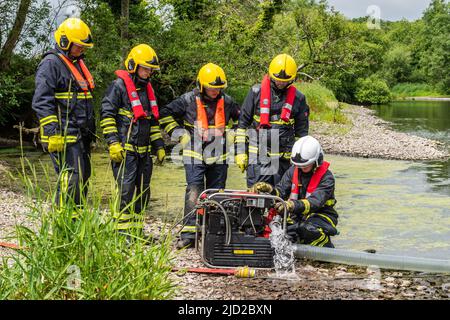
column 242, row 161
column 185, row 139
column 55, row 143
column 260, row 187
column 160, row 155
column 289, row 206
column 116, row 152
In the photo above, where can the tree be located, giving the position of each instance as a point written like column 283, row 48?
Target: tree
column 372, row 90
column 435, row 57
column 13, row 36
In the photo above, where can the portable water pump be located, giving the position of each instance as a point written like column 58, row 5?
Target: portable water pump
column 234, row 228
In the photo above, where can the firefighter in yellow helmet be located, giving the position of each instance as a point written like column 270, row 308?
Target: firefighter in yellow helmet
column 129, row 119
column 207, row 114
column 273, row 116
column 63, row 103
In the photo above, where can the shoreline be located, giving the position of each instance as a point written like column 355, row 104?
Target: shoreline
column 368, row 136
column 423, row 99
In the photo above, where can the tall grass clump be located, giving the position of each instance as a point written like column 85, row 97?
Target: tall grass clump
column 322, row 103
column 404, row 90
column 65, row 258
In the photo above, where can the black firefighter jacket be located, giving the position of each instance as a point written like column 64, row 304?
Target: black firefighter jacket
column 182, row 113
column 297, row 127
column 60, row 104
column 117, row 119
column 321, row 201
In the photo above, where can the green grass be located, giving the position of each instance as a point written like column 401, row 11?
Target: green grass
column 83, row 259
column 404, row 90
column 322, row 102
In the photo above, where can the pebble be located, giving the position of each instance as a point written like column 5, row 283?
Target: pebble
column 369, row 136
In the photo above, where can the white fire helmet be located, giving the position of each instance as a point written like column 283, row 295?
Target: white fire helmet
column 306, row 151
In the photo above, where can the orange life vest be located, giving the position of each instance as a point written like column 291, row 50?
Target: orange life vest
column 313, row 183
column 136, row 105
column 264, row 103
column 85, row 82
column 202, row 118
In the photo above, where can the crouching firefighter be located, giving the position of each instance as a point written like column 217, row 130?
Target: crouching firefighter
column 207, row 114
column 273, row 115
column 129, row 119
column 308, row 185
column 63, row 103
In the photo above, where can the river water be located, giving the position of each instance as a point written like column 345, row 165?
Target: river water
column 395, row 207
column 398, row 207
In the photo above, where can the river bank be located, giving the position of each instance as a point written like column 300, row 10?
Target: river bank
column 366, row 136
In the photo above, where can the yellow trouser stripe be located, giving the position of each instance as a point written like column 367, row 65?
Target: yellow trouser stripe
column 192, row 154
column 123, row 216
column 155, row 136
column 322, row 236
column 222, row 157
column 190, row 229
column 154, row 129
column 327, row 218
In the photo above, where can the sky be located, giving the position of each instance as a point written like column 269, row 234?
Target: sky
column 392, row 10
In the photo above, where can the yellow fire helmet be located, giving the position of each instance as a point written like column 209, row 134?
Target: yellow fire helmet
column 283, row 68
column 141, row 55
column 73, row 30
column 211, row 76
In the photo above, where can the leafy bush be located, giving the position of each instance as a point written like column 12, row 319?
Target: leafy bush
column 372, row 90
column 322, row 102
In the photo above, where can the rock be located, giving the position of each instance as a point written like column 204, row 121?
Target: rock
column 421, row 288
column 389, row 279
column 405, row 283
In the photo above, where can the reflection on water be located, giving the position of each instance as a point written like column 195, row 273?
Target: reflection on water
column 428, row 119
column 386, row 205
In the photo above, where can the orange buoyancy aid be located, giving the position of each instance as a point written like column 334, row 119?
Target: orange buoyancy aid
column 202, row 118
column 85, row 82
column 136, row 105
column 313, row 183
column 265, row 102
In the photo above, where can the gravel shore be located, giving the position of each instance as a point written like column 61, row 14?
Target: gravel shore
column 371, row 137
column 367, row 136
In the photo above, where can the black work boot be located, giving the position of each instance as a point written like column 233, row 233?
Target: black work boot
column 185, row 243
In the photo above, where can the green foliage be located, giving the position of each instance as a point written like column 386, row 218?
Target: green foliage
column 243, row 37
column 397, row 65
column 372, row 90
column 84, row 259
column 435, row 55
column 322, row 103
column 403, row 90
